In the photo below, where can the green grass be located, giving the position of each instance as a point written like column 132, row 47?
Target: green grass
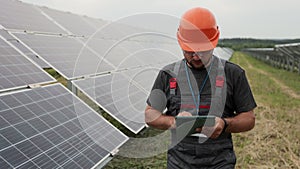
column 263, row 86
column 287, row 77
column 275, row 140
column 57, row 76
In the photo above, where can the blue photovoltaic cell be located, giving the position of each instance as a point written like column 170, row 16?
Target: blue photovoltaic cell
column 53, row 129
column 18, row 71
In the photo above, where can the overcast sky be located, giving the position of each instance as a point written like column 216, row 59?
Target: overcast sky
column 236, row 18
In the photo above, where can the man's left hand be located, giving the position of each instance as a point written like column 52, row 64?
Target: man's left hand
column 215, row 131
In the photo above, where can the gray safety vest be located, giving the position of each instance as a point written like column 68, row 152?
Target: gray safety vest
column 188, row 152
column 181, row 97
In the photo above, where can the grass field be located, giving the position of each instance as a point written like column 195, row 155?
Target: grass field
column 275, row 140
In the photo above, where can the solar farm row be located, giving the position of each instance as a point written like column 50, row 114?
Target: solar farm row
column 286, row 56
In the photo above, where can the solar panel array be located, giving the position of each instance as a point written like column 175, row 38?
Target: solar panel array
column 285, row 56
column 292, row 53
column 17, row 71
column 49, row 127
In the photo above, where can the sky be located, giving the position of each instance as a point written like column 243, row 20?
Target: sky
column 271, row 19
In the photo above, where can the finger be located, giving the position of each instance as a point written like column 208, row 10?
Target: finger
column 185, row 113
column 198, row 130
column 208, row 131
column 211, row 132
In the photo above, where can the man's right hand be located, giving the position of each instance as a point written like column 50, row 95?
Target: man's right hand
column 156, row 119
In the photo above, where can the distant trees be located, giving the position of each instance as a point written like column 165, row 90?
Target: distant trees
column 238, row 44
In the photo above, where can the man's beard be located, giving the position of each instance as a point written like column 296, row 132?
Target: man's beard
column 203, row 64
column 193, row 66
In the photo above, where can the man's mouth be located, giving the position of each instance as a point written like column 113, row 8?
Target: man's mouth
column 197, row 62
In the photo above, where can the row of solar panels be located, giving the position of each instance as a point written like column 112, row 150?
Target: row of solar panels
column 61, row 52
column 15, row 15
column 111, row 50
column 21, row 16
column 285, row 56
column 49, row 127
column 45, row 127
column 56, row 130
column 75, row 58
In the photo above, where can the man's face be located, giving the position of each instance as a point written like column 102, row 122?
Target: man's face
column 198, row 60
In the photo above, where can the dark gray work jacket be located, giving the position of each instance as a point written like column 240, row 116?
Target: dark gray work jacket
column 221, row 96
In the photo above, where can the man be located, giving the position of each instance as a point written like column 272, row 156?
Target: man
column 201, row 84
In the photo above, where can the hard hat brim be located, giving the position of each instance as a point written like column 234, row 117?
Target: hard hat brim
column 207, row 44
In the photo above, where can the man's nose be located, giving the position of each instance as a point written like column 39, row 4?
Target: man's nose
column 197, row 56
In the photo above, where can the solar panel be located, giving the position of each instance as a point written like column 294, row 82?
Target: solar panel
column 35, row 58
column 72, row 22
column 6, row 35
column 95, row 23
column 223, row 53
column 132, row 53
column 17, row 71
column 17, row 15
column 112, row 31
column 143, row 77
column 118, row 96
column 67, row 55
column 49, row 127
column 290, row 49
column 144, row 54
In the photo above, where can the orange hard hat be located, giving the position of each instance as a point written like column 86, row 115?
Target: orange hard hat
column 198, row 30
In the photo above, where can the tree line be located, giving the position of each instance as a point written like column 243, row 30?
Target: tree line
column 240, row 43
